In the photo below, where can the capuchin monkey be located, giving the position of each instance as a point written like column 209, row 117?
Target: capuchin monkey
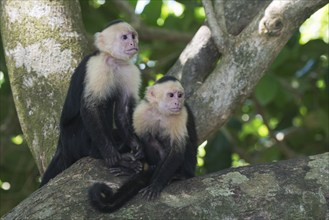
column 165, row 126
column 103, row 92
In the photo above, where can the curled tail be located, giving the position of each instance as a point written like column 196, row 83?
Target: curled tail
column 103, row 199
column 100, row 197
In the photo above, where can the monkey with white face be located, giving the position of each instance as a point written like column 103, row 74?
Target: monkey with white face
column 103, row 92
column 165, row 127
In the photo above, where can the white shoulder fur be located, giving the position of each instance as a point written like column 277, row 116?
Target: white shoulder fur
column 147, row 119
column 103, row 76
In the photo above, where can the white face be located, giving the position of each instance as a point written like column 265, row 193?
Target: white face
column 119, row 40
column 169, row 97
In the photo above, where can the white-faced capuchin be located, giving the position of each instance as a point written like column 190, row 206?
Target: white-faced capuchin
column 165, row 126
column 103, row 91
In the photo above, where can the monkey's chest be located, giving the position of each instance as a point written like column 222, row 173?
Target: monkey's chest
column 128, row 79
column 163, row 128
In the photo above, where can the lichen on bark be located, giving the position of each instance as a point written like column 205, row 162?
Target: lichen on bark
column 44, row 42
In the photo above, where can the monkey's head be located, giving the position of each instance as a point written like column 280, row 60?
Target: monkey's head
column 167, row 95
column 119, row 40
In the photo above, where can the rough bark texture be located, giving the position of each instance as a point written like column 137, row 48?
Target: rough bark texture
column 292, row 189
column 43, row 44
column 244, row 57
column 219, row 68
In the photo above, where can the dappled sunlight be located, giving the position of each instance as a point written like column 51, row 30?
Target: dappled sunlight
column 316, row 27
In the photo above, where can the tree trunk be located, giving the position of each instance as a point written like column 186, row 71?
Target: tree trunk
column 219, row 68
column 245, row 51
column 292, row 189
column 43, row 43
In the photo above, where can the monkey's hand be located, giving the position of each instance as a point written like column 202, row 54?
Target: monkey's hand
column 112, row 158
column 151, row 192
column 121, row 171
column 127, row 166
column 130, row 170
column 137, row 149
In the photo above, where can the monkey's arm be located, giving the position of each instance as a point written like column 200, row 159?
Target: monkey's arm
column 123, row 120
column 98, row 123
column 163, row 173
column 191, row 148
column 71, row 107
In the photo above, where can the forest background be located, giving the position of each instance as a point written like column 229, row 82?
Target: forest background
column 285, row 117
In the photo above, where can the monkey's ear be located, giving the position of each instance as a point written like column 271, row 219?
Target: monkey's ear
column 150, row 94
column 99, row 40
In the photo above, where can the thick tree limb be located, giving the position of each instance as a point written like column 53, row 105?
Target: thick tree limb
column 197, row 61
column 292, row 189
column 43, row 44
column 218, row 28
column 216, row 89
column 244, row 64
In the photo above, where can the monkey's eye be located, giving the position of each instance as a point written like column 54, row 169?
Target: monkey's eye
column 124, row 37
column 133, row 36
column 180, row 95
column 170, row 94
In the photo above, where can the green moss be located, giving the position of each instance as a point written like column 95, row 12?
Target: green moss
column 44, row 43
column 225, row 189
column 319, row 170
column 261, row 185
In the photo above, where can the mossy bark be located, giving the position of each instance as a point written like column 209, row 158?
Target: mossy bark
column 43, row 44
column 292, row 189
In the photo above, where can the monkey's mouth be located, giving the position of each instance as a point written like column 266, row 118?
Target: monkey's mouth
column 175, row 110
column 132, row 51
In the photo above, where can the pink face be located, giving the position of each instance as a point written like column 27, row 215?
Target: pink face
column 168, row 96
column 130, row 43
column 175, row 101
column 120, row 41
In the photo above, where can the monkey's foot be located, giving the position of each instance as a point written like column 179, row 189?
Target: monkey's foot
column 151, row 192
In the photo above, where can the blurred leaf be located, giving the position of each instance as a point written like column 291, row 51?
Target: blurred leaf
column 314, row 48
column 316, row 27
column 283, row 98
column 133, row 2
column 266, row 89
column 218, row 154
column 18, row 140
column 237, row 161
column 318, row 119
column 251, row 127
column 152, row 12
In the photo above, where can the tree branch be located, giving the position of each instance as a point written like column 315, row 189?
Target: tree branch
column 292, row 189
column 218, row 34
column 40, row 60
column 196, row 61
column 239, row 70
column 219, row 10
column 150, row 33
column 129, row 11
column 252, row 191
column 284, row 148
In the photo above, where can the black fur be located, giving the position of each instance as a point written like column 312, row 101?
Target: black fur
column 166, row 160
column 116, row 21
column 166, row 79
column 86, row 131
column 103, row 199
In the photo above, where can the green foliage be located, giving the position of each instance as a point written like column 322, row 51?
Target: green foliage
column 267, row 89
column 289, row 108
column 287, row 115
